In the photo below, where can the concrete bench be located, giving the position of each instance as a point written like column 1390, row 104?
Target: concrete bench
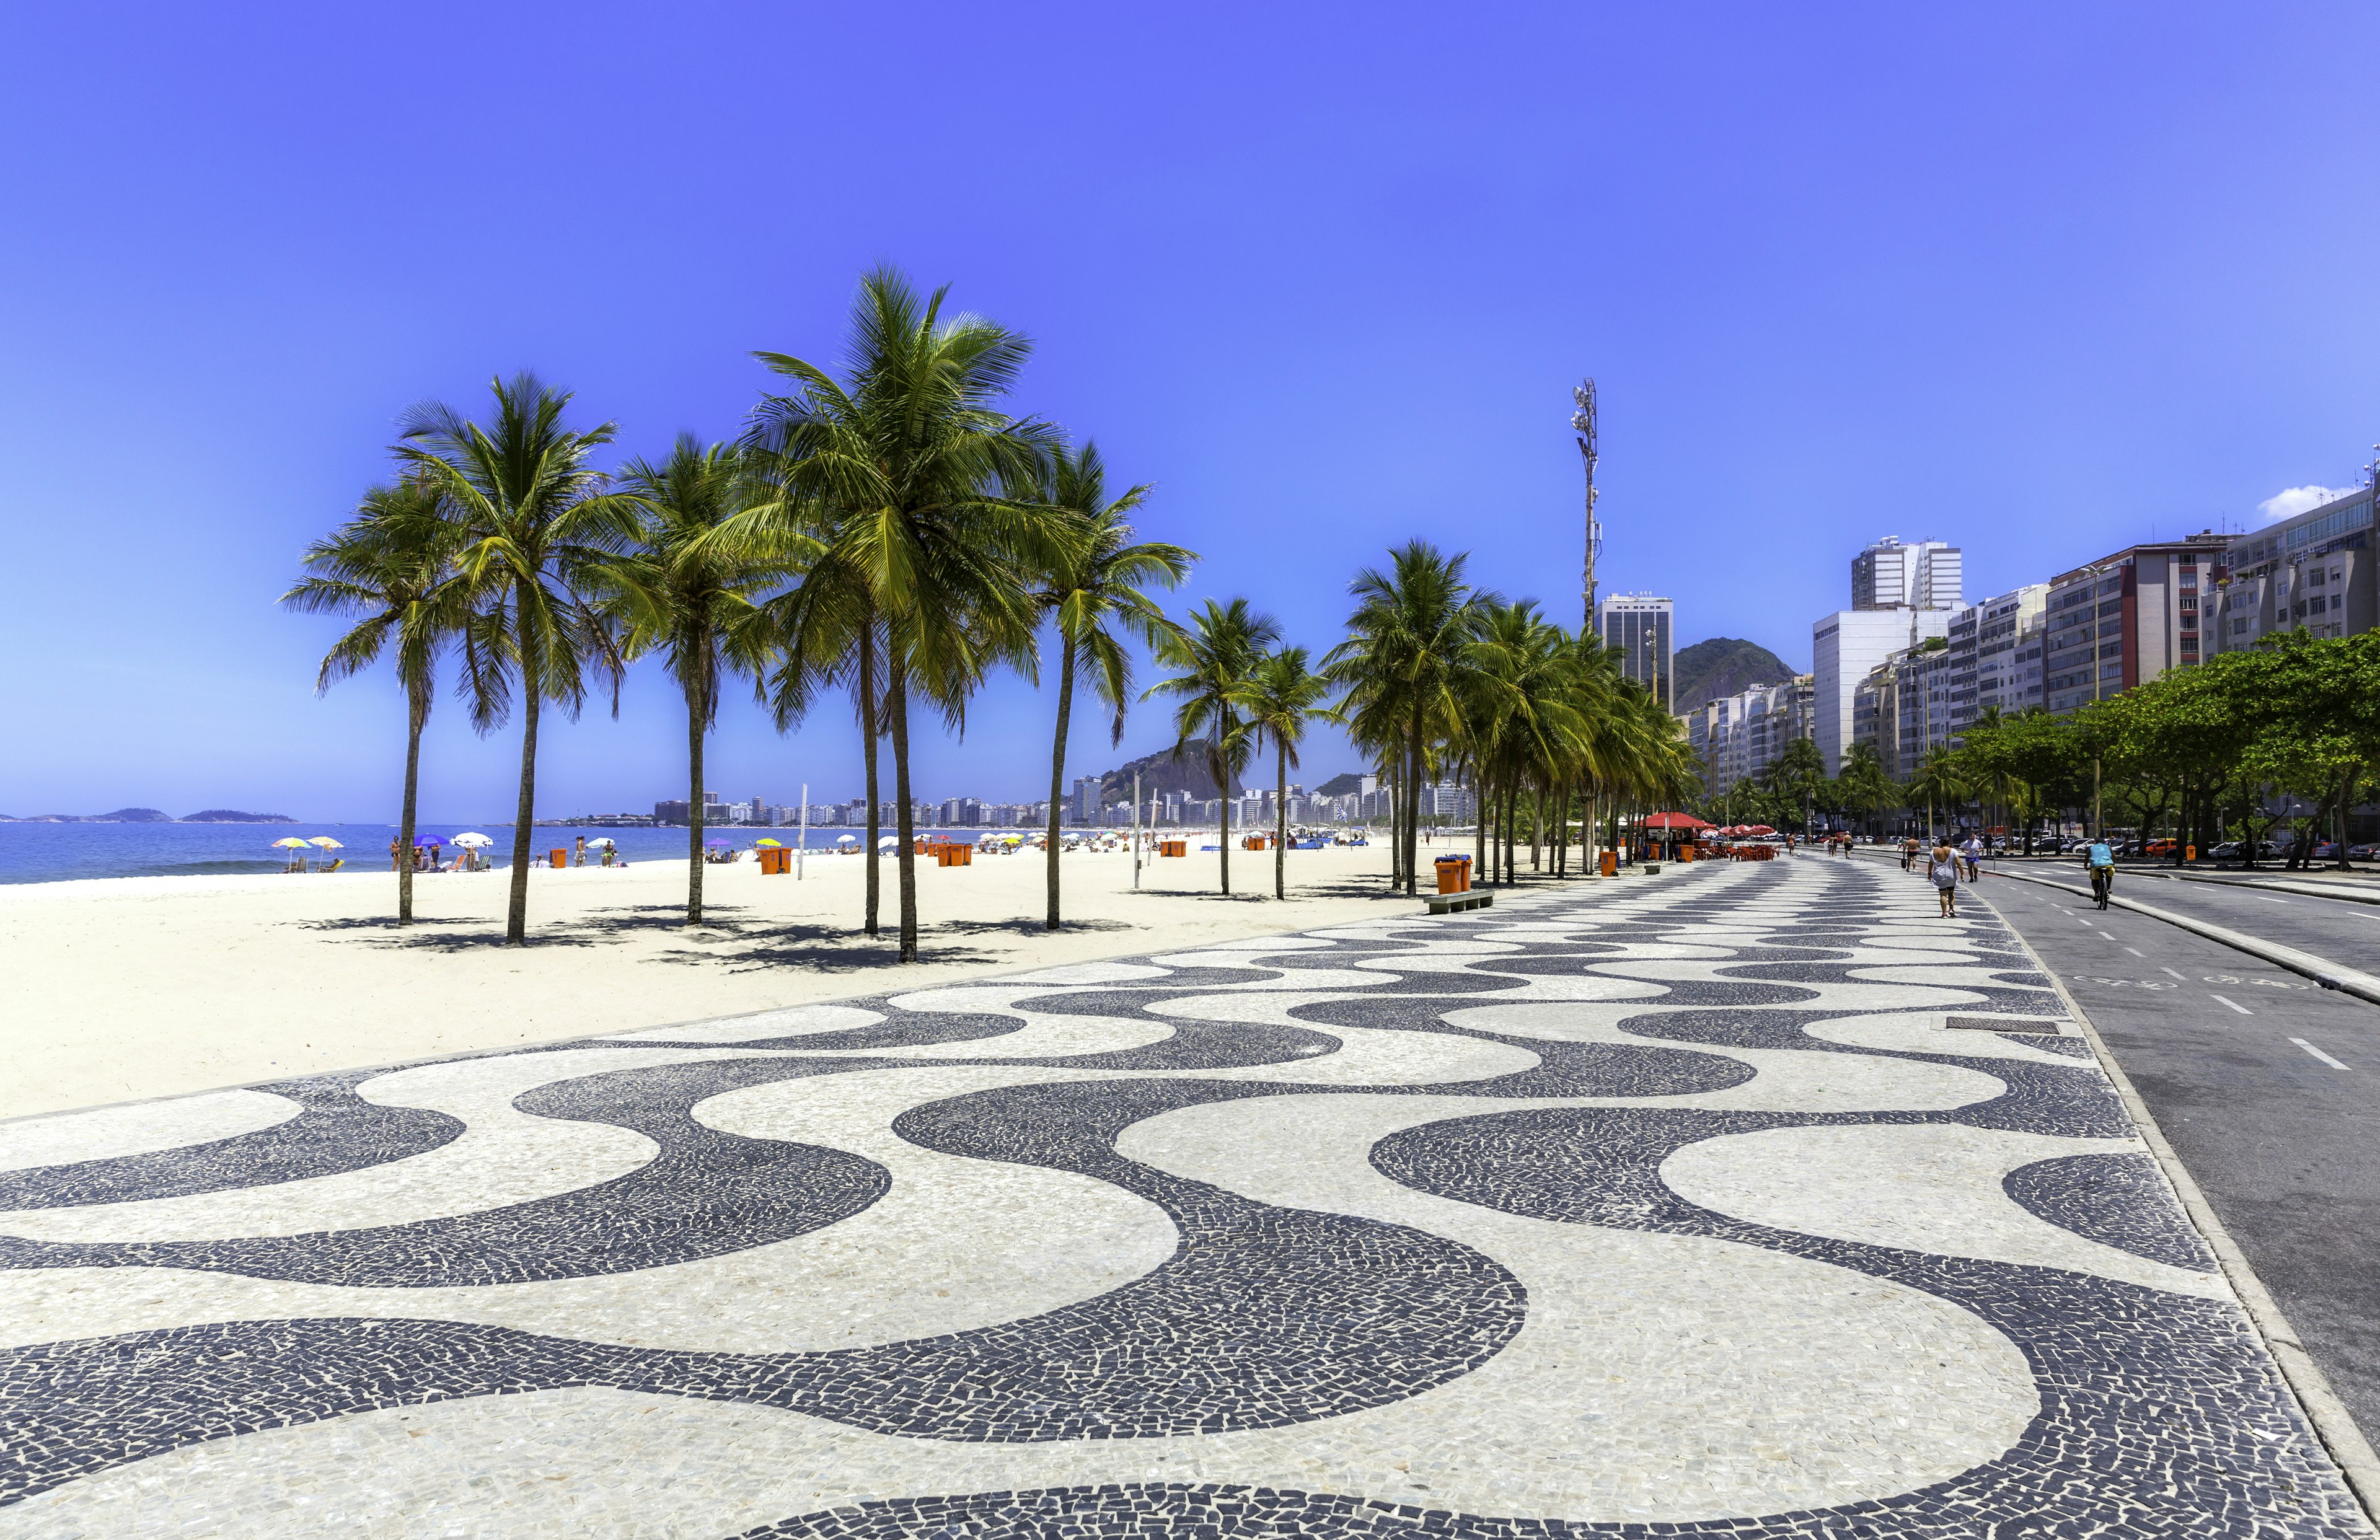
column 1455, row 903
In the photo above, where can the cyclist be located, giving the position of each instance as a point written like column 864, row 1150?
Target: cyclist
column 2102, row 862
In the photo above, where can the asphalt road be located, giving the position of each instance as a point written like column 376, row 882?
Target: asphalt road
column 2268, row 1086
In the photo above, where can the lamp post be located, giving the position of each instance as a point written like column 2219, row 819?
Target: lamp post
column 2098, row 819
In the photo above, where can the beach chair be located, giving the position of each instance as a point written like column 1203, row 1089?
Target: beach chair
column 334, row 865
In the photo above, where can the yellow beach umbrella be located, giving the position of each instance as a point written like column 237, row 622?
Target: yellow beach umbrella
column 293, row 843
column 772, row 844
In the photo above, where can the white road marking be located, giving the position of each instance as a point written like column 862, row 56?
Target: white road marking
column 2163, row 969
column 2237, row 1006
column 2262, row 899
column 2138, row 952
column 2319, row 1054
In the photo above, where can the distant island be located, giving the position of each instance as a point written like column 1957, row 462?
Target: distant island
column 150, row 815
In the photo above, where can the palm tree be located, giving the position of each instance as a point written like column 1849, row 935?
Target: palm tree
column 534, row 522
column 1281, row 696
column 896, row 473
column 1094, row 590
column 689, row 594
column 1218, row 654
column 1401, row 667
column 1796, row 774
column 393, row 564
column 1864, row 783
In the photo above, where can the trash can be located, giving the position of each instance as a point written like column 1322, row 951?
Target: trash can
column 1612, row 863
column 560, row 859
column 1685, row 854
column 1454, row 874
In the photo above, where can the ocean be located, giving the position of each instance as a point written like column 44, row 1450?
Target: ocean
column 60, row 851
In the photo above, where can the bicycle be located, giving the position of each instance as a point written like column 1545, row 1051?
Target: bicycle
column 2101, row 879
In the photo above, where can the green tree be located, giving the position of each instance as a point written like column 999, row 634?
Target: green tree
column 1794, row 777
column 393, row 567
column 534, row 520
column 899, row 472
column 692, row 595
column 1097, row 589
column 1283, row 696
column 1864, row 783
column 1218, row 653
column 1401, row 668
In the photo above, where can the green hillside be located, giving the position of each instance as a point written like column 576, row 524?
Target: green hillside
column 1724, row 666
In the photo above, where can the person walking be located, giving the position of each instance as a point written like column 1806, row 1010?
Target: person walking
column 1942, row 867
column 1971, row 852
column 2101, row 860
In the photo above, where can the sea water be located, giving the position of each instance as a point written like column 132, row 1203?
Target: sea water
column 60, row 851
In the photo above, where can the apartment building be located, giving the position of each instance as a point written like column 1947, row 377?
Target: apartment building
column 1923, row 574
column 1638, row 627
column 2314, row 571
column 1985, row 641
column 2127, row 618
column 1845, row 647
column 1738, row 736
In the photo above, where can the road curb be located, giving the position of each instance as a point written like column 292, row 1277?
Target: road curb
column 2322, row 970
column 2332, row 1422
column 2308, row 890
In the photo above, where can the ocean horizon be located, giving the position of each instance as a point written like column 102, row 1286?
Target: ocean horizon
column 69, row 851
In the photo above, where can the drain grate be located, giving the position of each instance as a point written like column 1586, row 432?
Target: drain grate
column 2003, row 1023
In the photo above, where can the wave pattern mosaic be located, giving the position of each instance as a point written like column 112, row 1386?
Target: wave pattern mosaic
column 1748, row 1201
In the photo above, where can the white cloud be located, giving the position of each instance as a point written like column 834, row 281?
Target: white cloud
column 2292, row 501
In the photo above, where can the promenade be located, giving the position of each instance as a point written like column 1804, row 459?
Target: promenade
column 1744, row 1200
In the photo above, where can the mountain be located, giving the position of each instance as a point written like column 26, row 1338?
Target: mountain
column 1160, row 772
column 1724, row 666
column 122, row 815
column 1340, row 785
column 226, row 815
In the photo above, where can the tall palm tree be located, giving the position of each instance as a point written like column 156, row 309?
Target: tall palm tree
column 1281, row 698
column 897, row 471
column 393, row 565
column 1401, row 667
column 1218, row 654
column 1097, row 589
column 534, row 520
column 684, row 592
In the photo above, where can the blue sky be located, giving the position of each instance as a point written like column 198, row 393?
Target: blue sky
column 2039, row 281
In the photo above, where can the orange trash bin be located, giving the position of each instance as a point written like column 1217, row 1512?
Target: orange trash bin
column 1612, row 863
column 560, row 859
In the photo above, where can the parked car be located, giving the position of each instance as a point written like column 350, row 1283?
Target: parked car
column 2227, row 850
column 2325, row 850
column 2363, row 853
column 2275, row 850
column 2161, row 847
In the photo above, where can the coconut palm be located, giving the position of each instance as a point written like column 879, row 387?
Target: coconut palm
column 1095, row 591
column 1402, row 668
column 684, row 591
column 897, row 472
column 1218, row 654
column 534, row 521
column 393, row 565
column 1281, row 698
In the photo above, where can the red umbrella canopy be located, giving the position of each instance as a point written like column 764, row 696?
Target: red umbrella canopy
column 1760, row 829
column 1674, row 820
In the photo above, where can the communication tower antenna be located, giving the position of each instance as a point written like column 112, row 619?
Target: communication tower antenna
column 1583, row 422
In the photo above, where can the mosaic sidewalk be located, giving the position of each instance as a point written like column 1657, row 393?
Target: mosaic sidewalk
column 1738, row 1202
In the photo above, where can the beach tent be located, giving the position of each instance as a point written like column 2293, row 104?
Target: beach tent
column 1674, row 820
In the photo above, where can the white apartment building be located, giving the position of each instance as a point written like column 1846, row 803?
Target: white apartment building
column 1845, row 648
column 2314, row 571
column 1740, row 737
column 1985, row 641
column 1925, row 575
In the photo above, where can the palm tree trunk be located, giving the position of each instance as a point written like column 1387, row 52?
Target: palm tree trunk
column 517, row 910
column 694, row 720
column 1058, row 765
column 1538, row 830
column 1280, row 822
column 1479, row 826
column 1224, row 807
column 416, row 712
column 896, row 709
column 868, row 737
column 1412, row 805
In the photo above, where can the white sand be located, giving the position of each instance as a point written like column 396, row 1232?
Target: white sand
column 156, row 986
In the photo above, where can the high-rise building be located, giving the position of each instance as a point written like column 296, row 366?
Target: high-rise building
column 1926, row 575
column 1738, row 736
column 1086, row 800
column 1983, row 646
column 1845, row 648
column 1637, row 628
column 2133, row 613
column 2314, row 571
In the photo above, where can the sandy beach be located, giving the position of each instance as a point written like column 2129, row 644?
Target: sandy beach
column 146, row 986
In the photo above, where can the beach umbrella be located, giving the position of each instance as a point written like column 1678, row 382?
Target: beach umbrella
column 599, row 844
column 847, row 838
column 472, row 840
column 889, row 842
column 756, row 845
column 428, row 841
column 325, row 842
column 291, row 842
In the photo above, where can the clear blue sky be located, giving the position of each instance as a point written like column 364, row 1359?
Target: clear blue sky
column 2035, row 280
